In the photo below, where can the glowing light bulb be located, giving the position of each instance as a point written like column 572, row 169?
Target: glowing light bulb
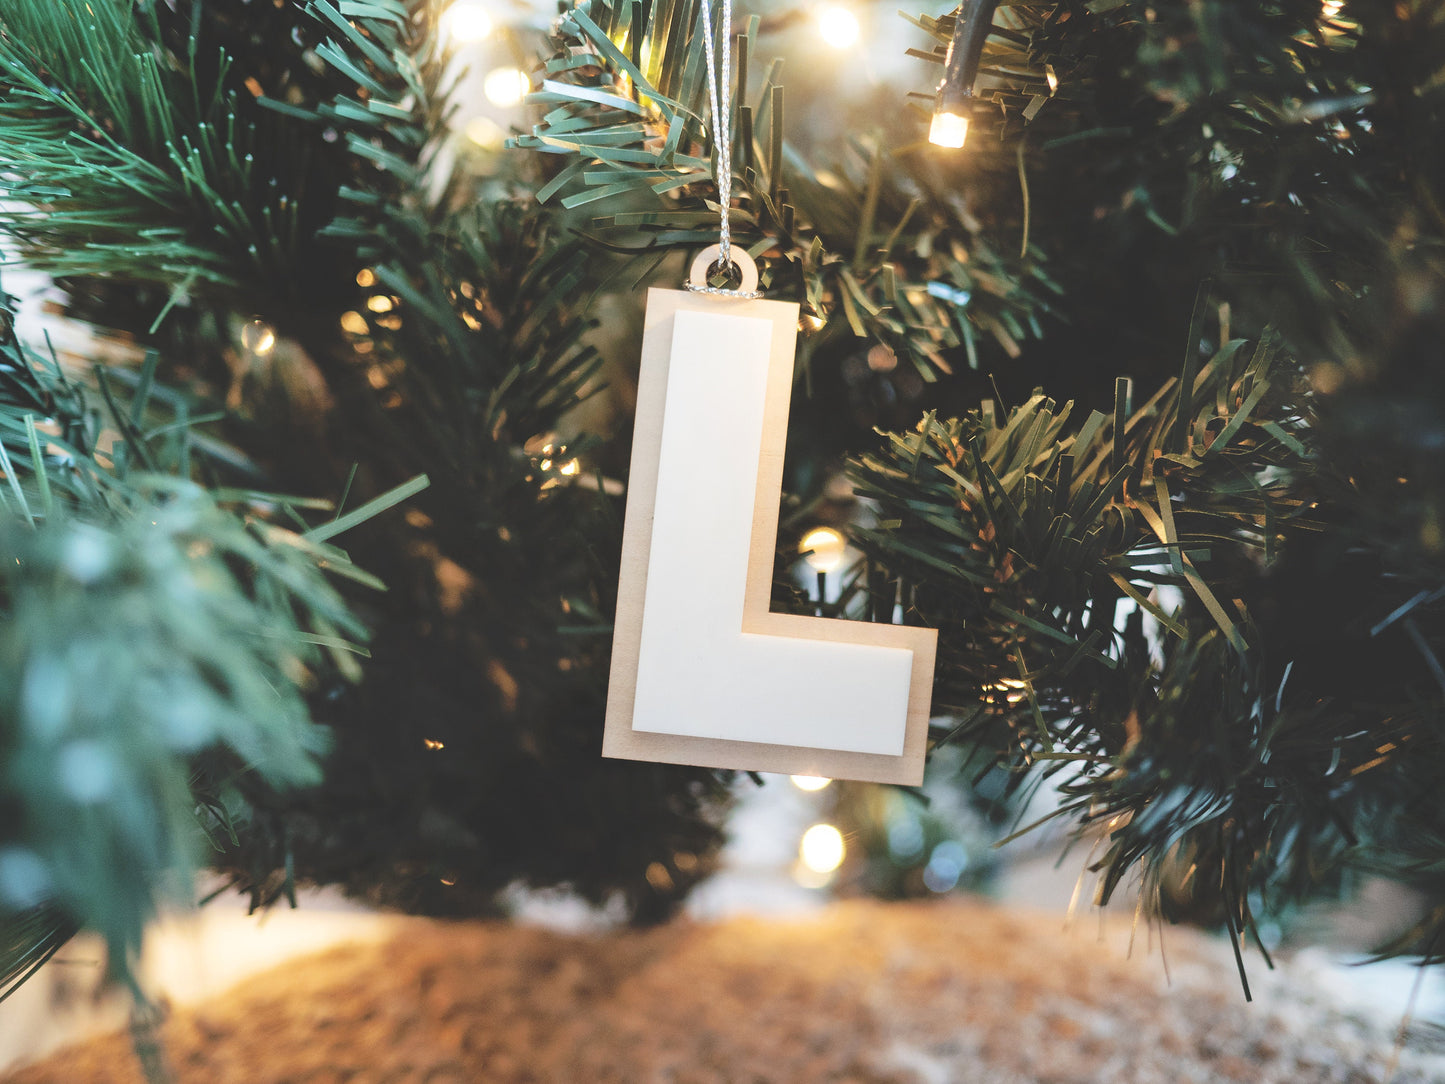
column 826, row 546
column 485, row 133
column 1331, row 8
column 948, row 130
column 822, row 848
column 571, row 467
column 810, row 782
column 467, row 21
column 506, row 86
column 259, row 337
column 838, row 26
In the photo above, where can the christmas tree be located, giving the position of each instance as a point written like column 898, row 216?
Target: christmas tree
column 327, row 579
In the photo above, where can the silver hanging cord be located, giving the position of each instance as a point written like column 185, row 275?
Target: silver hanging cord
column 719, row 83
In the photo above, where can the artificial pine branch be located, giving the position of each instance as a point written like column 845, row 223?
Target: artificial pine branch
column 875, row 245
column 158, row 645
column 1273, row 149
column 464, row 351
column 1277, row 150
column 1223, row 739
column 1282, row 151
column 130, row 146
column 469, row 349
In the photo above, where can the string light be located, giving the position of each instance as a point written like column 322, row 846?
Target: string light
column 823, row 548
column 960, row 68
column 838, row 26
column 810, row 782
column 466, row 22
column 948, row 130
column 506, row 86
column 822, row 849
column 259, row 338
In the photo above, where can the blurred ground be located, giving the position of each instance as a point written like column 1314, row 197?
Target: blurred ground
column 764, row 981
column 945, row 992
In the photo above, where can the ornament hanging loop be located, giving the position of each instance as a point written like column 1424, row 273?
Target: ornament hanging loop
column 710, row 258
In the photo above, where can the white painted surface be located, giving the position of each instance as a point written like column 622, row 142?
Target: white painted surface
column 698, row 673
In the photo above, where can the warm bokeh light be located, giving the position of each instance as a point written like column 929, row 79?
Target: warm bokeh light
column 948, row 130
column 485, row 133
column 259, row 337
column 810, row 782
column 354, row 322
column 824, row 549
column 467, row 21
column 1012, row 690
column 838, row 26
column 822, row 848
column 1331, row 8
column 881, row 358
column 506, row 86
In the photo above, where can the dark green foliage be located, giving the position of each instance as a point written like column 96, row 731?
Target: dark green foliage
column 1214, row 617
column 1287, row 155
column 156, row 165
column 1282, row 725
column 486, row 690
column 1309, row 140
column 157, row 645
column 1027, row 518
column 484, row 693
column 872, row 244
column 27, row 941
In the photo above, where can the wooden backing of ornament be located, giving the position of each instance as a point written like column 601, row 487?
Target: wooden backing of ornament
column 619, row 739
